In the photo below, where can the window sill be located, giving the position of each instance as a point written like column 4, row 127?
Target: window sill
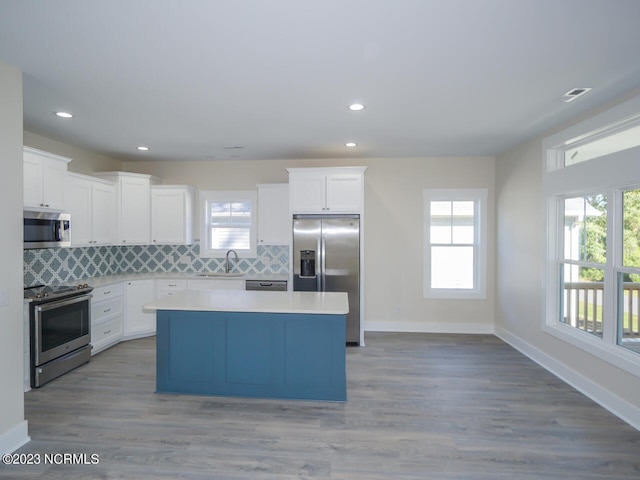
column 614, row 354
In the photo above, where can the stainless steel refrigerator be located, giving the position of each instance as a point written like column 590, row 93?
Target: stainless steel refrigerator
column 326, row 258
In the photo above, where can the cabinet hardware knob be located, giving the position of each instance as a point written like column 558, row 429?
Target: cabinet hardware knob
column 108, row 331
column 107, row 310
column 107, row 292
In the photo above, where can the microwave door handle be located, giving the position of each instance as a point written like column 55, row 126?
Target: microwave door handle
column 56, row 231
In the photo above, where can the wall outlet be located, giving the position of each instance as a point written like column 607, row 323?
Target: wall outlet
column 185, row 259
column 4, row 297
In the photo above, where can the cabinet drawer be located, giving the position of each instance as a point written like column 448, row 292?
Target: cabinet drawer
column 106, row 309
column 171, row 285
column 106, row 333
column 107, row 292
column 216, row 284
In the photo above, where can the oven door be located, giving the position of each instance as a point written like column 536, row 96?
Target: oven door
column 60, row 327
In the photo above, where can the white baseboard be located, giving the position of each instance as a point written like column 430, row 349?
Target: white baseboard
column 606, row 399
column 428, row 327
column 14, row 438
column 135, row 336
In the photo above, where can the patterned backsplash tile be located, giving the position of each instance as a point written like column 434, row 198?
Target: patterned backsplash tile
column 68, row 265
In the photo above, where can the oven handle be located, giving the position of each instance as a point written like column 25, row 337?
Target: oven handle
column 62, row 303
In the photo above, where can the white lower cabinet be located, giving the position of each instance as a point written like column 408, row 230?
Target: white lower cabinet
column 169, row 287
column 117, row 313
column 27, row 349
column 216, row 284
column 107, row 319
column 137, row 322
column 106, row 333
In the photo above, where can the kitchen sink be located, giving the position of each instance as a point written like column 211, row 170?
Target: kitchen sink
column 221, row 274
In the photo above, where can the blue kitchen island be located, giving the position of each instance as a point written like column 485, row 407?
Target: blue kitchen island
column 259, row 344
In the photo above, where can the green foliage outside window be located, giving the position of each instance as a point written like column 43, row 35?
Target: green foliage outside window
column 595, row 233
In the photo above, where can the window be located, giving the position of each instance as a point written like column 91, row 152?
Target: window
column 455, row 243
column 610, row 143
column 628, row 294
column 582, row 264
column 592, row 189
column 228, row 223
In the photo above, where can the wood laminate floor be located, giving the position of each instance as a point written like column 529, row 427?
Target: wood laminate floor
column 420, row 406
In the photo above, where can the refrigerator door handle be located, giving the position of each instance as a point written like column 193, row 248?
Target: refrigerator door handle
column 323, row 266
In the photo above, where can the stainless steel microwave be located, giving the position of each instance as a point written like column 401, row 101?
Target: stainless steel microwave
column 46, row 229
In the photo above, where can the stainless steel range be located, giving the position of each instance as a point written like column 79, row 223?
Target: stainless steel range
column 60, row 329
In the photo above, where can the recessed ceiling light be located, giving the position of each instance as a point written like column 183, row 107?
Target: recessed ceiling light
column 351, row 144
column 143, row 149
column 574, row 93
column 64, row 114
column 355, row 107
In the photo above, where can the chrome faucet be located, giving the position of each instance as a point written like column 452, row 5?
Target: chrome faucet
column 227, row 264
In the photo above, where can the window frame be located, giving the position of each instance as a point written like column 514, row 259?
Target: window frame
column 206, row 198
column 479, row 197
column 610, row 174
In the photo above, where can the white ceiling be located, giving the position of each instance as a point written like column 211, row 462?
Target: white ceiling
column 191, row 78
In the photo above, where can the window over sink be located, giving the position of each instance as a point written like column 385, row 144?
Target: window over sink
column 229, row 221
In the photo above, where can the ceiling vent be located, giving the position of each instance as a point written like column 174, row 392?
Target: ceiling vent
column 574, row 93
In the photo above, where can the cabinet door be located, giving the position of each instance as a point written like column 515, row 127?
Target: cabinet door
column 78, row 200
column 54, row 177
column 135, row 211
column 45, row 178
column 344, row 193
column 307, row 193
column 136, row 321
column 171, row 216
column 103, row 213
column 32, row 176
column 274, row 220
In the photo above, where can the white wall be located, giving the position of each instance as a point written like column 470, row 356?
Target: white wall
column 520, row 288
column 13, row 427
column 393, row 229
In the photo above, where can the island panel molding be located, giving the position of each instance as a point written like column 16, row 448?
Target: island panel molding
column 249, row 354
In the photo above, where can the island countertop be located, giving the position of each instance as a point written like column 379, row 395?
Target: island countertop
column 327, row 303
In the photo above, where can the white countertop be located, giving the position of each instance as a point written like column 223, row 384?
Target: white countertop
column 328, row 303
column 101, row 281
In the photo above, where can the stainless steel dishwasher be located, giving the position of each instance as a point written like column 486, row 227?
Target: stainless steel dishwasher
column 269, row 285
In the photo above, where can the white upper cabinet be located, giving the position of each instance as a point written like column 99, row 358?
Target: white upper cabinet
column 133, row 207
column 172, row 214
column 44, row 179
column 274, row 219
column 326, row 190
column 91, row 203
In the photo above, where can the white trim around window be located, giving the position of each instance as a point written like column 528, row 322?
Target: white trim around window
column 248, row 199
column 611, row 174
column 470, row 243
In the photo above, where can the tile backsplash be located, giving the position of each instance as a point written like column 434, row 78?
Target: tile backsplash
column 68, row 265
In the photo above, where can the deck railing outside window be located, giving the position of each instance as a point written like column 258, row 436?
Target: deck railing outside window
column 583, row 308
